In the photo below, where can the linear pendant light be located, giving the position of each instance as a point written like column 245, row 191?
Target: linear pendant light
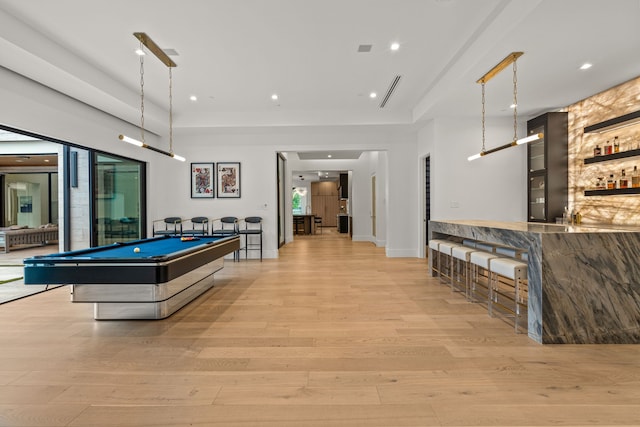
column 146, row 41
column 509, row 59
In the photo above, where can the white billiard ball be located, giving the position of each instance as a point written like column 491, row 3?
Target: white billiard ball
column 136, row 250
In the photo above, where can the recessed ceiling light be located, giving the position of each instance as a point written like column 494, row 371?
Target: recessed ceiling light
column 586, row 66
column 140, row 52
column 395, row 46
column 373, row 95
column 193, row 98
column 274, row 96
column 46, row 160
column 329, row 155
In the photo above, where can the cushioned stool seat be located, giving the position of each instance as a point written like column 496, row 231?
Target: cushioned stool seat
column 508, row 295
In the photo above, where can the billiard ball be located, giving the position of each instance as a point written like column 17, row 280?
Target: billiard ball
column 136, row 250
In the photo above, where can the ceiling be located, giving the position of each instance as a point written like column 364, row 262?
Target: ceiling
column 233, row 55
column 30, row 160
column 300, row 177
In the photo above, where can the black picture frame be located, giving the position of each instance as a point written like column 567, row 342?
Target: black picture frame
column 228, row 180
column 203, row 179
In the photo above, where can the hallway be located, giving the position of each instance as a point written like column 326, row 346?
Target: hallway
column 333, row 333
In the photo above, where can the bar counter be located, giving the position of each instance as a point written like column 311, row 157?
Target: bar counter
column 584, row 281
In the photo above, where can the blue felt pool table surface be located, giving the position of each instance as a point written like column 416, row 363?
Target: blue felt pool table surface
column 149, row 249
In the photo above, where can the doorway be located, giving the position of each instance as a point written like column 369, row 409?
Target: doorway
column 373, row 207
column 427, row 202
column 280, row 168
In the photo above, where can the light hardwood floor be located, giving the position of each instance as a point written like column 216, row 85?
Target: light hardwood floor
column 331, row 334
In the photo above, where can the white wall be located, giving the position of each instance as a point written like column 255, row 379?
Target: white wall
column 492, row 187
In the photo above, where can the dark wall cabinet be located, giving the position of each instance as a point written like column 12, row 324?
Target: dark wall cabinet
column 547, row 163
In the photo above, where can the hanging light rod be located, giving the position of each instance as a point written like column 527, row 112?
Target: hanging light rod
column 520, row 141
column 140, row 144
column 508, row 60
column 164, row 58
column 155, row 49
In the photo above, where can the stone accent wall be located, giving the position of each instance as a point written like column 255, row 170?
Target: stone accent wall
column 618, row 101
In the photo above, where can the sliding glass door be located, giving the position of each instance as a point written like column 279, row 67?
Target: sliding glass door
column 118, row 199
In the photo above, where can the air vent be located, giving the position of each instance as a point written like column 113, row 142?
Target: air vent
column 365, row 48
column 171, row 52
column 392, row 88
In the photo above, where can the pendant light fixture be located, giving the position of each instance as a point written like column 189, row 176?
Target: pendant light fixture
column 510, row 59
column 145, row 41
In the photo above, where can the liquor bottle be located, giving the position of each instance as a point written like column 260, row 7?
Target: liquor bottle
column 611, row 183
column 597, row 151
column 623, row 182
column 616, row 145
column 635, row 178
column 607, row 148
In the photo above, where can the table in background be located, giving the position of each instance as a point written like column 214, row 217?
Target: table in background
column 308, row 223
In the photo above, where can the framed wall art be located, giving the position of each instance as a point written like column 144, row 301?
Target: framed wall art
column 228, row 180
column 202, row 180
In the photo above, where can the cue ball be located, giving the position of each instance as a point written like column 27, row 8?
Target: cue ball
column 136, row 250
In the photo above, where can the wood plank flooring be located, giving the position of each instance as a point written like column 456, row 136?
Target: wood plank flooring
column 331, row 334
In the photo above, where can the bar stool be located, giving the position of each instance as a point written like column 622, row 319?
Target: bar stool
column 228, row 227
column 480, row 277
column 445, row 261
column 298, row 225
column 461, row 271
column 317, row 221
column 252, row 227
column 434, row 255
column 509, row 296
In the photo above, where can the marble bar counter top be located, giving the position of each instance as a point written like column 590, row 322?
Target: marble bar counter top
column 584, row 281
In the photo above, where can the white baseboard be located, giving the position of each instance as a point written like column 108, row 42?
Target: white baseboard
column 402, row 253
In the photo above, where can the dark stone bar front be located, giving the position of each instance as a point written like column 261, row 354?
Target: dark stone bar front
column 584, row 281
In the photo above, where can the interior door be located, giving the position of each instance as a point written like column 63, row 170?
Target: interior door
column 427, row 200
column 281, row 198
column 373, row 206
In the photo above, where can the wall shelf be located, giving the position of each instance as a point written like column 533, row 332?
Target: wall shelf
column 614, row 156
column 614, row 192
column 615, row 123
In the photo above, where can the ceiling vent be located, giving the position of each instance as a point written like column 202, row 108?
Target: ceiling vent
column 171, row 52
column 364, row 48
column 392, row 88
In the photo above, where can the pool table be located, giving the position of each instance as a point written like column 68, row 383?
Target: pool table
column 142, row 279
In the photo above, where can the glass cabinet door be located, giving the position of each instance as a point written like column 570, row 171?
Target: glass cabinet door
column 537, row 211
column 536, row 152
